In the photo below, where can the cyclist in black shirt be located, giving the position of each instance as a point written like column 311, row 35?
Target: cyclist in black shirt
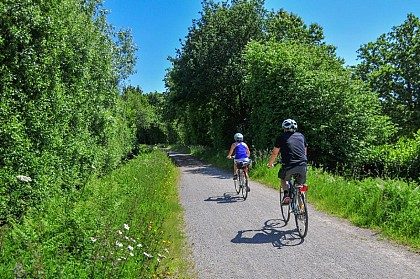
column 292, row 147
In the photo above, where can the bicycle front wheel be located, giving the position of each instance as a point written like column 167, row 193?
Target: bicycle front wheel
column 244, row 184
column 285, row 208
column 301, row 215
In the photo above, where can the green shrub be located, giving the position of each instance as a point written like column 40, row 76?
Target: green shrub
column 61, row 120
column 399, row 160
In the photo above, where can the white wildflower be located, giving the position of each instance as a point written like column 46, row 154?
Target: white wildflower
column 93, row 239
column 129, row 247
column 126, row 227
column 119, row 232
column 131, row 254
column 119, row 244
column 147, row 255
column 166, row 250
column 139, row 245
column 161, row 256
column 24, row 178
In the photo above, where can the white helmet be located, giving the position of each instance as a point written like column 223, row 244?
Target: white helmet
column 289, row 125
column 238, row 136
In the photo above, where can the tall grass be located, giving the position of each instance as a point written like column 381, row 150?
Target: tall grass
column 123, row 225
column 391, row 207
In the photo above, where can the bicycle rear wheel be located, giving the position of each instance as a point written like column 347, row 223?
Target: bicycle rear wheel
column 301, row 215
column 285, row 208
column 244, row 184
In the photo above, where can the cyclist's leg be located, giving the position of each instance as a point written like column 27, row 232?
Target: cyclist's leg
column 247, row 179
column 300, row 174
column 283, row 180
column 235, row 169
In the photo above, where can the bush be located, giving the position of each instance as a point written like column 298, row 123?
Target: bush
column 399, row 160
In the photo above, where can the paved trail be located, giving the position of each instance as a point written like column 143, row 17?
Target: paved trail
column 232, row 238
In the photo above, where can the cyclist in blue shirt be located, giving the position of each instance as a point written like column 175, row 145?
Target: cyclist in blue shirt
column 241, row 151
column 293, row 148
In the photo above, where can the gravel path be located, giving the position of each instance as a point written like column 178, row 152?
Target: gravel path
column 232, row 238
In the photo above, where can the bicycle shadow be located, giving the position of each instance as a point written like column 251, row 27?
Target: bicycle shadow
column 229, row 197
column 270, row 233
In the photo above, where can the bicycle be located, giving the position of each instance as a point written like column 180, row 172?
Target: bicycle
column 242, row 182
column 297, row 205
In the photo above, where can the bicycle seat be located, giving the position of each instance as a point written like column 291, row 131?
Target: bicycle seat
column 243, row 164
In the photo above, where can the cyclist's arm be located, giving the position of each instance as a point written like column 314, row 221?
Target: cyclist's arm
column 247, row 150
column 273, row 157
column 232, row 148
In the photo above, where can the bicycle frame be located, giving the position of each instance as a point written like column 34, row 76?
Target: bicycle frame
column 241, row 184
column 298, row 206
column 295, row 191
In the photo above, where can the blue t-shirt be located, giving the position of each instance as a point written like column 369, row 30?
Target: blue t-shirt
column 240, row 151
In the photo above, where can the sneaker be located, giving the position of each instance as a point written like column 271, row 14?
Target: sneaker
column 286, row 199
column 235, row 177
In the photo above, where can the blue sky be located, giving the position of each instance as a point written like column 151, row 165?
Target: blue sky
column 158, row 25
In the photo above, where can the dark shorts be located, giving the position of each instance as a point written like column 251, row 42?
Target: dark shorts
column 299, row 172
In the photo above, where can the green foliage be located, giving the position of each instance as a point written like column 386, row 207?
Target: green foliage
column 390, row 206
column 145, row 114
column 401, row 159
column 339, row 117
column 205, row 94
column 244, row 69
column 284, row 26
column 391, row 67
column 80, row 235
column 60, row 117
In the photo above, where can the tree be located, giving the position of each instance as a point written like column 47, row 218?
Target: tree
column 205, row 82
column 145, row 115
column 391, row 67
column 282, row 26
column 61, row 118
column 338, row 115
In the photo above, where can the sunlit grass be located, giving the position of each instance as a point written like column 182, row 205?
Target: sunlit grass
column 127, row 224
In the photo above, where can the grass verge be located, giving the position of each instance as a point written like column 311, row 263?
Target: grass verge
column 127, row 224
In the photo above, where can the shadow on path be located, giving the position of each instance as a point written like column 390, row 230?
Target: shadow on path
column 270, row 233
column 229, row 197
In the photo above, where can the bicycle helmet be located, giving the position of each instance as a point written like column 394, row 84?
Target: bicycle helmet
column 289, row 125
column 238, row 136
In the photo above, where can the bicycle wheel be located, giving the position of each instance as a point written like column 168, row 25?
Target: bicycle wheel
column 237, row 185
column 244, row 184
column 301, row 215
column 285, row 208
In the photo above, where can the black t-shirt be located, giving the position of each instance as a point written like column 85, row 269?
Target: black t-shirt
column 292, row 149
